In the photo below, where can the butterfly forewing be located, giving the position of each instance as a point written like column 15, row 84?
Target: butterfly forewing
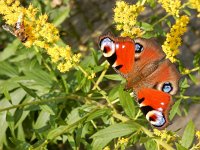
column 119, row 53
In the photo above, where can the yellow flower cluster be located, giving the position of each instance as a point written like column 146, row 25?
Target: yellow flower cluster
column 173, row 39
column 123, row 141
column 10, row 10
column 107, row 148
column 171, row 6
column 198, row 134
column 195, row 4
column 39, row 32
column 125, row 16
column 164, row 135
column 91, row 76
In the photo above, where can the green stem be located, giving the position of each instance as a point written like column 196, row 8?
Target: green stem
column 188, row 97
column 100, row 79
column 64, row 84
column 163, row 18
column 39, row 102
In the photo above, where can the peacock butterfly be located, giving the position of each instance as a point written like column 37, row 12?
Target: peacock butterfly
column 18, row 30
column 152, row 77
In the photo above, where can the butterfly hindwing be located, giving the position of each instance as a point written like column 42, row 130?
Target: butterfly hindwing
column 155, row 106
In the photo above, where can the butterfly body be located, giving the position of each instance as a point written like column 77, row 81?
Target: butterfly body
column 152, row 77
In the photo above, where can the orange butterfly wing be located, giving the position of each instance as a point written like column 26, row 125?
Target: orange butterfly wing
column 119, row 53
column 155, row 106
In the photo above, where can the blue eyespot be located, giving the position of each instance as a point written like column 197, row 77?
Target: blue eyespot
column 167, row 87
column 138, row 48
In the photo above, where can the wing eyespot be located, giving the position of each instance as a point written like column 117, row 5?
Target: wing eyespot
column 167, row 87
column 138, row 49
column 107, row 46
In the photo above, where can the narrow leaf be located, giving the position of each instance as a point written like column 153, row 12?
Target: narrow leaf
column 127, row 103
column 188, row 135
column 179, row 147
column 115, row 77
column 174, row 109
column 103, row 137
column 29, row 91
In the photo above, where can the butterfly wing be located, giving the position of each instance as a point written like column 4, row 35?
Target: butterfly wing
column 147, row 53
column 119, row 53
column 155, row 106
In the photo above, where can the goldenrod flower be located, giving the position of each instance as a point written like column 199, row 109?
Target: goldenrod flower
column 171, row 6
column 10, row 11
column 39, row 33
column 125, row 16
column 173, row 39
column 198, row 135
column 164, row 135
column 91, row 76
column 107, row 148
column 195, row 4
column 123, row 140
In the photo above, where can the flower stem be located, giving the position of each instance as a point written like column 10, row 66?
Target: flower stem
column 160, row 20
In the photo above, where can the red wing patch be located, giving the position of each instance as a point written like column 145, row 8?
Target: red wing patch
column 125, row 51
column 155, row 106
column 119, row 53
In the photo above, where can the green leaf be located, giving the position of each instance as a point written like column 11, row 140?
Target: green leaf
column 114, row 94
column 127, row 103
column 115, row 77
column 29, row 91
column 42, row 119
column 150, row 145
column 48, row 109
column 193, row 78
column 187, row 12
column 98, row 113
column 9, row 50
column 174, row 109
column 19, row 144
column 184, row 84
column 188, row 135
column 104, row 136
column 196, row 60
column 6, row 93
column 7, row 69
column 87, row 86
column 180, row 147
column 20, row 133
column 40, row 77
column 145, row 26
